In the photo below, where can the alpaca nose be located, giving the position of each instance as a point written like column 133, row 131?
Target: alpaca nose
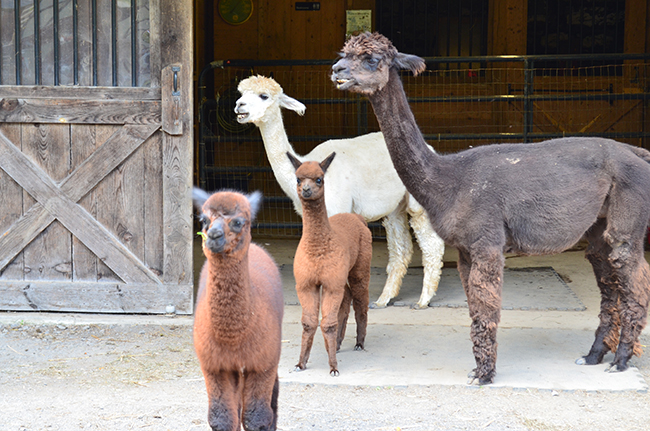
column 216, row 232
column 238, row 105
column 306, row 191
column 338, row 67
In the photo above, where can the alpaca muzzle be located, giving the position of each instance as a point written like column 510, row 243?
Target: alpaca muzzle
column 306, row 192
column 216, row 238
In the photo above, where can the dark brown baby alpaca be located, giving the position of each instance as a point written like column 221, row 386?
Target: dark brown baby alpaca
column 238, row 318
column 334, row 253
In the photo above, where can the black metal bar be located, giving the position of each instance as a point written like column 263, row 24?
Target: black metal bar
column 17, row 50
column 528, row 104
column 37, row 42
column 55, row 41
column 75, row 43
column 114, row 41
column 134, row 56
column 94, row 31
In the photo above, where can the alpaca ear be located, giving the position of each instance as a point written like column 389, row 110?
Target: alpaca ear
column 199, row 197
column 410, row 62
column 292, row 104
column 294, row 161
column 255, row 201
column 326, row 163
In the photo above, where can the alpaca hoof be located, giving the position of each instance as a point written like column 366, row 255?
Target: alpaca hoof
column 581, row 361
column 359, row 347
column 334, row 373
column 418, row 306
column 615, row 368
column 377, row 305
column 299, row 368
column 480, row 381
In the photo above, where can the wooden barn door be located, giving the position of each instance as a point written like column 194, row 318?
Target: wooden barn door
column 96, row 156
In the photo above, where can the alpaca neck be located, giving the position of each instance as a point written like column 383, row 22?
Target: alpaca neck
column 411, row 155
column 229, row 295
column 316, row 228
column 276, row 144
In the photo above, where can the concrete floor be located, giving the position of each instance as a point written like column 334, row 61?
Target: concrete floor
column 537, row 348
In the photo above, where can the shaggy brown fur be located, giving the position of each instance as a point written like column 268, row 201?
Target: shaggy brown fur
column 238, row 318
column 530, row 199
column 334, row 253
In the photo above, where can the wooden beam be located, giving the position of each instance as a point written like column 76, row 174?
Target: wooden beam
column 69, row 111
column 79, row 92
column 93, row 297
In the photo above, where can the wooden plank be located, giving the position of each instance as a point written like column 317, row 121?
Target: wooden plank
column 143, row 47
column 72, row 216
column 104, row 192
column 177, row 210
column 155, row 18
column 153, row 178
column 177, row 151
column 7, row 39
column 85, row 39
column 84, row 144
column 79, row 92
column 11, row 209
column 126, row 206
column 79, row 111
column 93, row 297
column 104, row 46
column 48, row 256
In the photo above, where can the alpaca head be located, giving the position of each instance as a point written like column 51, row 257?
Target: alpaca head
column 261, row 100
column 226, row 218
column 310, row 177
column 366, row 61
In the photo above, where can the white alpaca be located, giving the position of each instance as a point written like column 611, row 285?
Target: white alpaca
column 356, row 183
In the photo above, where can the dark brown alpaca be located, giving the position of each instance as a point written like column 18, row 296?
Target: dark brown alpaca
column 238, row 318
column 530, row 199
column 334, row 253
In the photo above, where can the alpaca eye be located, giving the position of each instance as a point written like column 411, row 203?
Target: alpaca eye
column 319, row 181
column 203, row 220
column 236, row 224
column 372, row 62
column 264, row 96
column 298, row 179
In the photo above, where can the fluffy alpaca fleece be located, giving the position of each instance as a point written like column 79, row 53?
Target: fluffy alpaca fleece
column 362, row 181
column 529, row 199
column 331, row 266
column 238, row 317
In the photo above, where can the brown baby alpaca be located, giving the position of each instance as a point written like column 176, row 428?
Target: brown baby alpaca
column 238, row 318
column 334, row 253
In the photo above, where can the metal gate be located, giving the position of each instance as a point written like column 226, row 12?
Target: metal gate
column 458, row 102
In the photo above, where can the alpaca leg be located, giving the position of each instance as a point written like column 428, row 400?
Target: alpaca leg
column 259, row 390
column 331, row 303
column 483, row 288
column 359, row 279
column 607, row 334
column 634, row 281
column 224, row 400
column 309, row 297
column 344, row 313
column 433, row 249
column 400, row 251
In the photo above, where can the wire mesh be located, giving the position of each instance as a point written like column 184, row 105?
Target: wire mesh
column 455, row 107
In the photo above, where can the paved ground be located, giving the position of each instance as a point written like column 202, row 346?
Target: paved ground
column 65, row 371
